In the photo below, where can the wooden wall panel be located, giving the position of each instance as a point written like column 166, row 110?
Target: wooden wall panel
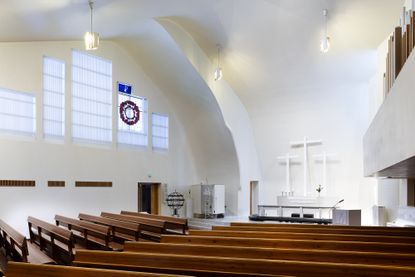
column 17, row 183
column 56, row 183
column 92, row 184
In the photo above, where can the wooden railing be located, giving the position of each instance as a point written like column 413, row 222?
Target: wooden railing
column 400, row 46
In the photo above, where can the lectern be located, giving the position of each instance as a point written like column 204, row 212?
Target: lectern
column 347, row 217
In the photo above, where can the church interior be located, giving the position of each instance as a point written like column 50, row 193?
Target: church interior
column 207, row 138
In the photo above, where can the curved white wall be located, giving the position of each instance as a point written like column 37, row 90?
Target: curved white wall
column 232, row 109
column 210, row 140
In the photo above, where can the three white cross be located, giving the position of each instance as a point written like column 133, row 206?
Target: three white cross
column 305, row 143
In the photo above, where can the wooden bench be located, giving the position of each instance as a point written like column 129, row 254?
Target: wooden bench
column 351, row 257
column 172, row 223
column 307, row 236
column 293, row 244
column 58, row 243
column 17, row 247
column 150, row 229
column 92, row 236
column 318, row 229
column 225, row 266
column 120, row 230
column 29, row 270
column 277, row 225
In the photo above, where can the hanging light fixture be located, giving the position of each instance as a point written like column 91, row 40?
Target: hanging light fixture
column 325, row 41
column 218, row 71
column 91, row 38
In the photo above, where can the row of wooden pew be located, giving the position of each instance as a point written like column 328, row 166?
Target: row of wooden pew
column 58, row 243
column 267, row 250
column 247, row 249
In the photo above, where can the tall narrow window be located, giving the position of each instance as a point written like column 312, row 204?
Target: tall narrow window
column 53, row 98
column 160, row 131
column 133, row 134
column 17, row 112
column 91, row 98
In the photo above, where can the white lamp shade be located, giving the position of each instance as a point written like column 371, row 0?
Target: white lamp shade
column 325, row 44
column 218, row 74
column 91, row 40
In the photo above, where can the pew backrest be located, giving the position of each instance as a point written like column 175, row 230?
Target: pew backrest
column 29, row 270
column 351, row 257
column 231, row 266
column 14, row 243
column 293, row 244
column 329, row 226
column 129, row 218
column 152, row 227
column 171, row 221
column 319, row 229
column 88, row 230
column 39, row 228
column 309, row 236
column 128, row 228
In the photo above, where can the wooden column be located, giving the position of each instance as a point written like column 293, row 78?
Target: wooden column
column 397, row 49
column 404, row 49
column 413, row 30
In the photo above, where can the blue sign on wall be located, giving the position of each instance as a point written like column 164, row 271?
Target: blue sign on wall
column 124, row 88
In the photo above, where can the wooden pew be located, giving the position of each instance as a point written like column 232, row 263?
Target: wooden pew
column 150, row 228
column 277, row 225
column 307, row 236
column 226, row 266
column 120, row 230
column 318, row 229
column 92, row 236
column 58, row 243
column 28, row 270
column 171, row 221
column 350, row 257
column 293, row 244
column 17, row 247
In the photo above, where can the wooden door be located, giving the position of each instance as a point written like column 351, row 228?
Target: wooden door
column 155, row 188
column 253, row 197
column 148, row 197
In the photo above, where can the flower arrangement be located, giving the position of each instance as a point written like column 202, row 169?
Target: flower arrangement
column 319, row 189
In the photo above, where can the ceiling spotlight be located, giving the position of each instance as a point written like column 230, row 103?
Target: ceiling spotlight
column 325, row 41
column 218, row 71
column 91, row 38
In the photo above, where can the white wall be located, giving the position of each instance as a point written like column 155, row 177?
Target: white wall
column 335, row 114
column 390, row 193
column 232, row 109
column 40, row 160
column 211, row 142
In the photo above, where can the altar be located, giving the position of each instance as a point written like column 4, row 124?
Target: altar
column 301, row 207
column 311, row 203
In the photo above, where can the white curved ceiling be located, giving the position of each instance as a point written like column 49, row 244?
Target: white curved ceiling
column 268, row 44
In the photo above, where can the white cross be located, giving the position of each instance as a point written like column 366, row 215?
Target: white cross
column 305, row 143
column 287, row 159
column 323, row 157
